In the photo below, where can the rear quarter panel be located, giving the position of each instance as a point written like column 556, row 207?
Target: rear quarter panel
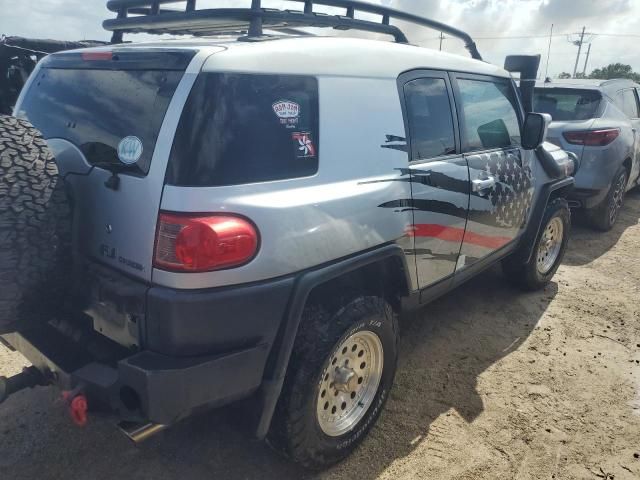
column 599, row 164
column 307, row 222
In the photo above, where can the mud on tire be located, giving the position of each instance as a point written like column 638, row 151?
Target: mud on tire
column 295, row 430
column 35, row 228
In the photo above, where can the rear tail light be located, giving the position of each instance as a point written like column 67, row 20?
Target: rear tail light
column 592, row 138
column 188, row 243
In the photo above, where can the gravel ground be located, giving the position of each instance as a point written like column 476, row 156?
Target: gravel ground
column 492, row 383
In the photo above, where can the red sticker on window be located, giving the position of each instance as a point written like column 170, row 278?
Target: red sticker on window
column 303, row 144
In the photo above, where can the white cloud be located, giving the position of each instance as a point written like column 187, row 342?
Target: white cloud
column 82, row 19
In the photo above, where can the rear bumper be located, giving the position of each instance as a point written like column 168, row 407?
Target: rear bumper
column 145, row 386
column 170, row 352
column 587, row 198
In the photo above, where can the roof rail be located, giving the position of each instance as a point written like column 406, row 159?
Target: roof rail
column 150, row 17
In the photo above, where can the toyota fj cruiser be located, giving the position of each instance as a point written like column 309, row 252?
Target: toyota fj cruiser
column 243, row 219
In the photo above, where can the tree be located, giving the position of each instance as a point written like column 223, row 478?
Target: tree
column 564, row 75
column 615, row 70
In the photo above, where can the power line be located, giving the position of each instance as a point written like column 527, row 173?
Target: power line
column 515, row 37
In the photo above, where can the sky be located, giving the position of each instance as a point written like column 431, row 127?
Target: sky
column 500, row 27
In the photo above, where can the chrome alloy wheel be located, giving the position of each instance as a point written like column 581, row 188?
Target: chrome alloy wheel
column 617, row 198
column 349, row 383
column 550, row 245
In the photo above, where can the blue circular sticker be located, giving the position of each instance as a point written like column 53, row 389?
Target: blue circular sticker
column 130, row 150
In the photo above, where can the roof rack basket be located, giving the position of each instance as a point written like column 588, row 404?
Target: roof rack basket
column 150, row 17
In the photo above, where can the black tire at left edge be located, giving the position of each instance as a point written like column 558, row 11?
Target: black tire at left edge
column 35, row 229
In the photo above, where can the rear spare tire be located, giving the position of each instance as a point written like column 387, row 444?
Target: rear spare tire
column 35, row 228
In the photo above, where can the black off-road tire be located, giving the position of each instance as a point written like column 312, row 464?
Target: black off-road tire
column 528, row 275
column 600, row 217
column 35, row 228
column 295, row 429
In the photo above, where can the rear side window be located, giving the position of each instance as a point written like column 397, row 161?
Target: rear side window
column 627, row 102
column 566, row 103
column 243, row 128
column 430, row 118
column 490, row 117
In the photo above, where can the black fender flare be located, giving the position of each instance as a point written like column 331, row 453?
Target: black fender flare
column 281, row 353
column 559, row 188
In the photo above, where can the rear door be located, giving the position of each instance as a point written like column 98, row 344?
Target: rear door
column 439, row 175
column 627, row 101
column 102, row 114
column 501, row 183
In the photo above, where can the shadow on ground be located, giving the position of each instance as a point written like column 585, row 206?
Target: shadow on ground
column 588, row 245
column 444, row 348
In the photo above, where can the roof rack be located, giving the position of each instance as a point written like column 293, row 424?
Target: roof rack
column 151, row 17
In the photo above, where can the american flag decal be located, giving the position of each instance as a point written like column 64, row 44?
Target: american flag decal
column 512, row 196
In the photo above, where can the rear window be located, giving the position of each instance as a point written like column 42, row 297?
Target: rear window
column 242, row 128
column 97, row 109
column 567, row 104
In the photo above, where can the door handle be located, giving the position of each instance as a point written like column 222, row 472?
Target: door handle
column 481, row 184
column 424, row 178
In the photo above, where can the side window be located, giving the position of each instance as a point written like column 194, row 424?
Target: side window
column 430, row 118
column 242, row 128
column 628, row 103
column 490, row 116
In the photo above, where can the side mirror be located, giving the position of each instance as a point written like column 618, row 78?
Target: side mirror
column 534, row 130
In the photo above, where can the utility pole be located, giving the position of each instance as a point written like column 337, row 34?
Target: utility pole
column 546, row 70
column 579, row 43
column 442, row 37
column 586, row 60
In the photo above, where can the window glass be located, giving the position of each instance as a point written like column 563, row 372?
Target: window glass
column 566, row 103
column 430, row 118
column 627, row 102
column 490, row 117
column 96, row 109
column 245, row 128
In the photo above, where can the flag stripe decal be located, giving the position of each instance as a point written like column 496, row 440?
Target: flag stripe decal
column 453, row 234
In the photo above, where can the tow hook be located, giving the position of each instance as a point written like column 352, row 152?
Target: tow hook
column 78, row 406
column 29, row 377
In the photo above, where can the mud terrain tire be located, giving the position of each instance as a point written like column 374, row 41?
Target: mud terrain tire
column 295, row 430
column 35, row 228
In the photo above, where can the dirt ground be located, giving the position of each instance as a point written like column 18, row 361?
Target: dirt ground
column 492, row 383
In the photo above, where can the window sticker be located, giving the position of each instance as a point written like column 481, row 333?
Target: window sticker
column 303, row 144
column 130, row 150
column 288, row 112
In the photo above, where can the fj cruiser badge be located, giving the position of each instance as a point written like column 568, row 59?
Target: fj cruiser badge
column 287, row 111
column 130, row 150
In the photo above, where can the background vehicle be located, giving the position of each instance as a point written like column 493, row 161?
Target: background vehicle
column 247, row 223
column 598, row 120
column 18, row 58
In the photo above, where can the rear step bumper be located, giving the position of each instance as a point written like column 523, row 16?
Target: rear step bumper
column 144, row 386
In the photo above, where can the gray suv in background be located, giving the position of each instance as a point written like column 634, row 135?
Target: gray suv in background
column 598, row 120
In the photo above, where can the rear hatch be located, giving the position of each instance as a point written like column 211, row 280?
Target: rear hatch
column 571, row 109
column 101, row 112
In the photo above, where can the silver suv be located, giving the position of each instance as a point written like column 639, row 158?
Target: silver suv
column 598, row 120
column 244, row 219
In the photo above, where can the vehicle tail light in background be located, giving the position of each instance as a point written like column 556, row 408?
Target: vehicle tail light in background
column 188, row 243
column 97, row 56
column 592, row 138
